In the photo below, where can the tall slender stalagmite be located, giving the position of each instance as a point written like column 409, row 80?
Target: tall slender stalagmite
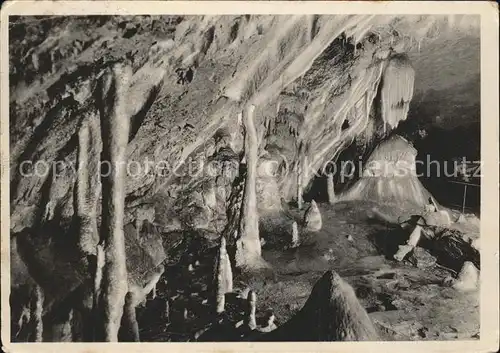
column 251, row 308
column 300, row 201
column 295, row 235
column 330, row 189
column 248, row 249
column 115, row 126
column 300, row 174
column 223, row 277
column 37, row 313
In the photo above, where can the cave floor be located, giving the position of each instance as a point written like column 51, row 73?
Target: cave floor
column 403, row 301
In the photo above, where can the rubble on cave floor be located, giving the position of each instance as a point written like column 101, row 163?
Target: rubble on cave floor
column 404, row 301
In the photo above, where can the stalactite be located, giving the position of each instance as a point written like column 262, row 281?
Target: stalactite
column 86, row 195
column 397, row 90
column 115, row 126
column 87, row 186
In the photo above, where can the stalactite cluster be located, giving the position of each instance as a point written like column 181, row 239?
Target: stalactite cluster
column 397, row 90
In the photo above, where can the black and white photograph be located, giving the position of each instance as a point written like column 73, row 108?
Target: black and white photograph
column 249, row 176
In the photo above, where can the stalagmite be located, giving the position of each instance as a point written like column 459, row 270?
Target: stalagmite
column 312, row 217
column 248, row 247
column 300, row 200
column 224, row 277
column 468, row 278
column 130, row 320
column 37, row 315
column 300, row 174
column 115, row 126
column 332, row 313
column 295, row 235
column 410, row 244
column 251, row 308
column 330, row 189
column 166, row 311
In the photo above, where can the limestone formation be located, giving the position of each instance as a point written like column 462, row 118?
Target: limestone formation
column 37, row 315
column 389, row 175
column 224, row 277
column 248, row 247
column 300, row 200
column 312, row 217
column 166, row 311
column 70, row 102
column 397, row 89
column 330, row 189
column 130, row 325
column 115, row 127
column 250, row 319
column 331, row 313
column 295, row 235
column 86, row 191
column 88, row 187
